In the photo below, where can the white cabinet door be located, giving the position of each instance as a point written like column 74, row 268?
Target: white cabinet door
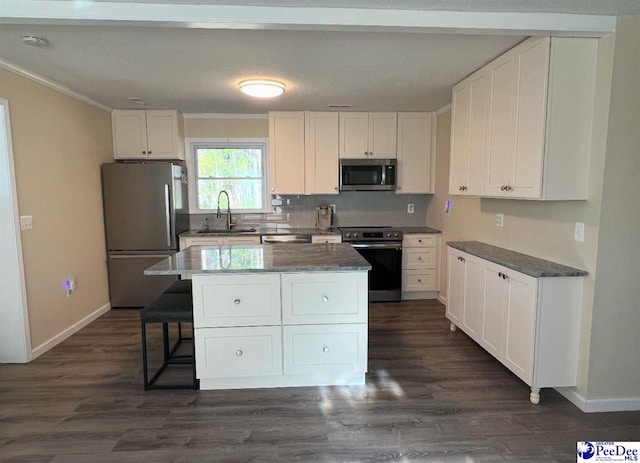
column 472, row 311
column 354, row 135
column 236, row 300
column 238, row 352
column 533, row 70
column 324, row 349
column 478, row 129
column 415, row 162
column 459, row 164
column 163, row 135
column 493, row 308
column 383, row 130
column 286, row 152
column 324, row 298
column 502, row 139
column 520, row 324
column 455, row 286
column 129, row 134
column 321, row 152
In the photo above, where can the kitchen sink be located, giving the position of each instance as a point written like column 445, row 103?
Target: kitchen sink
column 233, row 231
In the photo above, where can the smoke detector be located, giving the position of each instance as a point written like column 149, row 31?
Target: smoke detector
column 136, row 100
column 35, row 41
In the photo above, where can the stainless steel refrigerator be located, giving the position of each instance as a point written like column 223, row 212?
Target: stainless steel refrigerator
column 145, row 207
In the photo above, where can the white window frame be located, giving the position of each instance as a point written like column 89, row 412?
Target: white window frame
column 190, row 149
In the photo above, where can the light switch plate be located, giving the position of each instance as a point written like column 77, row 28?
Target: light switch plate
column 578, row 233
column 499, row 220
column 26, row 222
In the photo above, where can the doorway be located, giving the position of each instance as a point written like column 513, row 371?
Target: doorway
column 15, row 344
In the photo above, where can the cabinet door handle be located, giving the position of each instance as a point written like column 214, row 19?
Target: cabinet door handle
column 325, row 298
column 335, row 188
column 144, row 152
column 325, row 349
column 502, row 188
column 419, row 280
column 239, row 353
column 419, row 241
column 273, row 189
column 508, row 188
column 236, row 301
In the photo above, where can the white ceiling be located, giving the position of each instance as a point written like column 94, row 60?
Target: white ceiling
column 196, row 70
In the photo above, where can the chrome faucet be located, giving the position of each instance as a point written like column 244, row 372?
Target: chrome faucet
column 228, row 208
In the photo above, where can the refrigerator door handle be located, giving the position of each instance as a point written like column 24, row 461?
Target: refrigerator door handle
column 167, row 214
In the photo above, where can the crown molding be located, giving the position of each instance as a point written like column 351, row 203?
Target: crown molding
column 51, row 84
column 445, row 108
column 224, row 116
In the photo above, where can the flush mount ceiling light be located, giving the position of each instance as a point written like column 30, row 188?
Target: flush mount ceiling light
column 262, row 88
column 35, row 41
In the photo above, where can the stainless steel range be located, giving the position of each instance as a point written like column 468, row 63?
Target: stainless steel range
column 382, row 248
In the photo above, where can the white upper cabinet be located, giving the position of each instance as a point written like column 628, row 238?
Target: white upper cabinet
column 321, row 152
column 147, row 134
column 286, row 152
column 415, row 160
column 469, row 127
column 368, row 135
column 529, row 115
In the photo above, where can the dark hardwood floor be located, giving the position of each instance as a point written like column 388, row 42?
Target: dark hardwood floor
column 431, row 395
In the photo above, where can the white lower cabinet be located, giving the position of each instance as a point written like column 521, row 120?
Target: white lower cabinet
column 247, row 351
column 419, row 265
column 280, row 329
column 529, row 324
column 324, row 349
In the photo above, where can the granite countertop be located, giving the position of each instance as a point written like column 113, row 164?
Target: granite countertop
column 409, row 230
column 261, row 258
column 522, row 263
column 260, row 231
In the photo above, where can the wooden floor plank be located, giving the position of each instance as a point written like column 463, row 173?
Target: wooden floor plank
column 431, row 396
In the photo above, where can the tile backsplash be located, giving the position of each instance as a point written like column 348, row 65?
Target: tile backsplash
column 352, row 208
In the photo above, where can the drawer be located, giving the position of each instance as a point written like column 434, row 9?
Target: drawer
column 419, row 280
column 233, row 352
column 413, row 241
column 324, row 349
column 326, row 239
column 324, row 297
column 236, row 300
column 242, row 240
column 203, row 241
column 417, row 258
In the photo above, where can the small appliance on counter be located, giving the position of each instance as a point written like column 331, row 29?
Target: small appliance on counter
column 324, row 214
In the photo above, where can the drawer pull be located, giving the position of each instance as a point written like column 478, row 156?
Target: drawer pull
column 419, row 241
column 325, row 299
column 325, row 349
column 239, row 353
column 419, row 280
column 419, row 258
column 236, row 301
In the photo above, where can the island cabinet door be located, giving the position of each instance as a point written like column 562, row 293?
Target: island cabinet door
column 325, row 349
column 310, row 298
column 238, row 352
column 236, row 300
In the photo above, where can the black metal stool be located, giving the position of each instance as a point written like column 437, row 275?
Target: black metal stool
column 168, row 308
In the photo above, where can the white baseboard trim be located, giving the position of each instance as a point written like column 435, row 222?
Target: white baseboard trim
column 623, row 404
column 58, row 338
column 442, row 299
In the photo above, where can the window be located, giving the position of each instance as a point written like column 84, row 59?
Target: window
column 236, row 166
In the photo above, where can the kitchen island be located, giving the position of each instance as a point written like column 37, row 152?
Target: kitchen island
column 276, row 315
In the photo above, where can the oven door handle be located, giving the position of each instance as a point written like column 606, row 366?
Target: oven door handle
column 396, row 246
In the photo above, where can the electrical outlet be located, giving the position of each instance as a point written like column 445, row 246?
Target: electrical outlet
column 499, row 220
column 410, row 208
column 578, row 233
column 26, row 222
column 333, row 207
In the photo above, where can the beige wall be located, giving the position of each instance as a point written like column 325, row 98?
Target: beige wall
column 226, row 128
column 541, row 229
column 58, row 146
column 614, row 366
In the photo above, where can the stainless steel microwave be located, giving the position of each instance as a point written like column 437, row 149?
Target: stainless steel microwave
column 367, row 174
